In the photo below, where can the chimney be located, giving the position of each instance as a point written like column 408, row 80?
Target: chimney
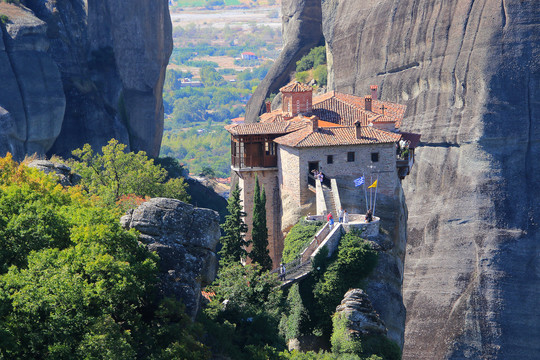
column 358, row 129
column 374, row 92
column 315, row 123
column 367, row 101
column 268, row 106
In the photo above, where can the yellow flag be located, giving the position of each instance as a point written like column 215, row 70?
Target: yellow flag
column 374, row 185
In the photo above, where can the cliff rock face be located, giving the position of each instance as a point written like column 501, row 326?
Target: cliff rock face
column 32, row 101
column 469, row 72
column 302, row 31
column 104, row 63
column 185, row 239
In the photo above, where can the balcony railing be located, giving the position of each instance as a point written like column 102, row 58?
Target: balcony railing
column 250, row 161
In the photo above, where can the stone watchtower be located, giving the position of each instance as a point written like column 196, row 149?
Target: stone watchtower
column 297, row 99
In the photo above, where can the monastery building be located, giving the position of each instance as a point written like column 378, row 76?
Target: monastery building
column 343, row 136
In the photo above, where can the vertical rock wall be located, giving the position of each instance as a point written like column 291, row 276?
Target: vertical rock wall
column 32, row 102
column 83, row 72
column 469, row 72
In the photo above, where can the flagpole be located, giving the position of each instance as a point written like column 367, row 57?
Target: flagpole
column 371, row 192
column 365, row 191
column 376, row 188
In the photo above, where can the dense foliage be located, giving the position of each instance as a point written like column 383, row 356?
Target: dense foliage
column 259, row 232
column 345, row 343
column 74, row 284
column 233, row 248
column 330, row 279
column 114, row 173
column 242, row 318
column 313, row 66
column 298, row 238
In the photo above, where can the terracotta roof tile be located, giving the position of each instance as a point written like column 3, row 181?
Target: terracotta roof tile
column 276, row 115
column 280, row 127
column 336, row 136
column 337, row 111
column 296, row 86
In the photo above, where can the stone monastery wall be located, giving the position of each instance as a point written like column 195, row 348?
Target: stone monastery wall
column 268, row 179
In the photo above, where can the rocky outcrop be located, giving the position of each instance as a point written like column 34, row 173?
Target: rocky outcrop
column 62, row 172
column 95, row 71
column 469, row 72
column 301, row 31
column 32, row 100
column 362, row 317
column 185, row 238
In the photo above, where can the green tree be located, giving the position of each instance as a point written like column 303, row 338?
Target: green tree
column 294, row 323
column 115, row 173
column 79, row 286
column 233, row 248
column 259, row 232
column 242, row 318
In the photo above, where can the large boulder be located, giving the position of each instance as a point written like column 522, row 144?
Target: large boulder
column 185, row 238
column 362, row 317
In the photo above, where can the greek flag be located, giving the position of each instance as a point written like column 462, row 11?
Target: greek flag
column 360, row 181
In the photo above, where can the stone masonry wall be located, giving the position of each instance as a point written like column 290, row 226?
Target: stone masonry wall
column 268, row 179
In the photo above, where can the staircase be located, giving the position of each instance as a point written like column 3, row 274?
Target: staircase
column 330, row 203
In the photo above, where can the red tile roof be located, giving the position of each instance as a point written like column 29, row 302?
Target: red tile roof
column 335, row 110
column 393, row 111
column 335, row 136
column 296, row 86
column 276, row 115
column 278, row 127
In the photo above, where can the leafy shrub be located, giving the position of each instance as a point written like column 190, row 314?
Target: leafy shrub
column 374, row 346
column 320, row 74
column 242, row 318
column 4, row 19
column 302, row 76
column 116, row 173
column 298, row 237
column 316, row 57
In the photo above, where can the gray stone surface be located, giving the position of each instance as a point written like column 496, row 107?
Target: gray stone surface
column 76, row 72
column 469, row 72
column 32, row 100
column 363, row 319
column 185, row 238
column 63, row 172
column 302, row 31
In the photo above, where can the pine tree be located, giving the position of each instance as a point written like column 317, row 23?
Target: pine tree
column 233, row 244
column 259, row 233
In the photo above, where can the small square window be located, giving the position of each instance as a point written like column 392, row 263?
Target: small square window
column 374, row 157
column 350, row 156
column 329, row 159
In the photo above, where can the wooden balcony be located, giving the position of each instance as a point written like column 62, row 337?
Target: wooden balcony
column 250, row 161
